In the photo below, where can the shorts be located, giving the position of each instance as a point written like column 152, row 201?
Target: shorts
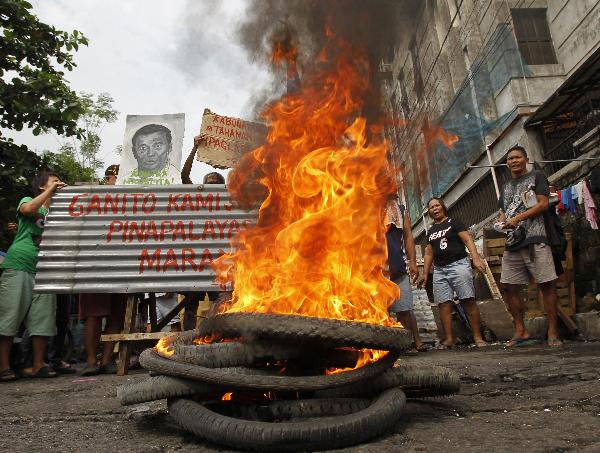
column 518, row 266
column 19, row 303
column 405, row 303
column 101, row 305
column 454, row 278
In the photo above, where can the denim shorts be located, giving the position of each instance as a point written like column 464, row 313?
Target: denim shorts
column 454, row 278
column 405, row 303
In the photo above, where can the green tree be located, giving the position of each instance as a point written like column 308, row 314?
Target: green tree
column 33, row 93
column 98, row 113
column 33, row 58
column 65, row 163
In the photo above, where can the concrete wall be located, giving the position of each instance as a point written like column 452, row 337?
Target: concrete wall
column 476, row 85
column 575, row 29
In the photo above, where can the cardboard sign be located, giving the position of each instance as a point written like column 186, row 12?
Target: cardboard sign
column 227, row 139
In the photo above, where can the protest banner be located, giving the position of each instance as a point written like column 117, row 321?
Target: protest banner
column 225, row 139
column 127, row 239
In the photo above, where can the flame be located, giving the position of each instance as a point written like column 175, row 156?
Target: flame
column 366, row 356
column 163, row 347
column 227, row 396
column 318, row 248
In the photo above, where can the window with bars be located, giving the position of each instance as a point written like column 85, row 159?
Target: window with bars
column 533, row 36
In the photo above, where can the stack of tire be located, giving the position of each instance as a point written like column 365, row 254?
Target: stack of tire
column 261, row 385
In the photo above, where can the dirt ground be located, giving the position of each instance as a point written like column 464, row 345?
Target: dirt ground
column 532, row 399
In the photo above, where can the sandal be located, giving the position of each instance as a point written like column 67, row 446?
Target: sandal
column 517, row 342
column 8, row 375
column 481, row 344
column 444, row 347
column 424, row 347
column 554, row 342
column 64, row 368
column 90, row 370
column 411, row 352
column 44, row 372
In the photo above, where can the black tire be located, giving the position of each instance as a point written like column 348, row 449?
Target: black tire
column 151, row 360
column 289, row 410
column 417, row 381
column 160, row 387
column 238, row 354
column 323, row 433
column 234, row 353
column 303, row 328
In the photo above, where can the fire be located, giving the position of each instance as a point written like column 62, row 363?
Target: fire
column 163, row 347
column 366, row 356
column 227, row 396
column 318, row 248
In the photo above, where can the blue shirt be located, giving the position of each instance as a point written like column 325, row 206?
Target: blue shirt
column 395, row 246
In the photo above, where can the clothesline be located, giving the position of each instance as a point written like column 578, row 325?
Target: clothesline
column 579, row 194
column 538, row 162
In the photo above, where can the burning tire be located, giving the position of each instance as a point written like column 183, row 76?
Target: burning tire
column 151, row 360
column 307, row 435
column 240, row 354
column 305, row 329
column 161, row 387
column 417, row 381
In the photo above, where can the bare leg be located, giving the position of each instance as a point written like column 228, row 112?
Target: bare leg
column 5, row 347
column 114, row 324
column 93, row 325
column 472, row 311
column 446, row 317
column 550, row 302
column 39, row 345
column 517, row 309
column 408, row 320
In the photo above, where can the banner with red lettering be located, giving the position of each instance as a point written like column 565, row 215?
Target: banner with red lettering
column 226, row 139
column 123, row 239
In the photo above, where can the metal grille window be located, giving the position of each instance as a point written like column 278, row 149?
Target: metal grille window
column 533, row 36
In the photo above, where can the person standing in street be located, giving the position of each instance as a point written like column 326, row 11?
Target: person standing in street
column 400, row 246
column 18, row 302
column 452, row 271
column 523, row 201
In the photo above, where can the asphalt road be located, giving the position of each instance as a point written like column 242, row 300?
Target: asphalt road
column 532, row 399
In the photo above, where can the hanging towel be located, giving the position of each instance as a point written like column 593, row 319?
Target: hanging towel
column 560, row 208
column 578, row 188
column 590, row 207
column 567, row 200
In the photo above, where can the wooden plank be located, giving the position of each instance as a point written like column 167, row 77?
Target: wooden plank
column 137, row 336
column 152, row 312
column 169, row 316
column 499, row 242
column 128, row 327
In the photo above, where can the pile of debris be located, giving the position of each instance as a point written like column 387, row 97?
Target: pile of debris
column 267, row 382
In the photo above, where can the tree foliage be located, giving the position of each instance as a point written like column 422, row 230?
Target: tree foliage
column 98, row 112
column 33, row 93
column 33, row 58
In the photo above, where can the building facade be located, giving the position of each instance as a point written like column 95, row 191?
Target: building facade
column 493, row 73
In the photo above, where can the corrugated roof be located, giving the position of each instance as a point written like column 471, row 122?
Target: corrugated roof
column 128, row 239
column 584, row 79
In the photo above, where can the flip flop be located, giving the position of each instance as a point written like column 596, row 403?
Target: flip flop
column 518, row 342
column 444, row 347
column 90, row 370
column 424, row 348
column 44, row 372
column 411, row 352
column 554, row 342
column 64, row 368
column 8, row 375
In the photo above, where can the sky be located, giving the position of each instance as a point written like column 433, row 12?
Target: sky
column 155, row 57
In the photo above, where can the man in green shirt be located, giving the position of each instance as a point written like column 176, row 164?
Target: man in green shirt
column 18, row 303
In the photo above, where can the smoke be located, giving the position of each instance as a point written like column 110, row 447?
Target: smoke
column 372, row 26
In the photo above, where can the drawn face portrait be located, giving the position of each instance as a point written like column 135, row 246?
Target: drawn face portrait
column 151, row 147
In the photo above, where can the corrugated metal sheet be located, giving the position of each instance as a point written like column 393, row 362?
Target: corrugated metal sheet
column 127, row 239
